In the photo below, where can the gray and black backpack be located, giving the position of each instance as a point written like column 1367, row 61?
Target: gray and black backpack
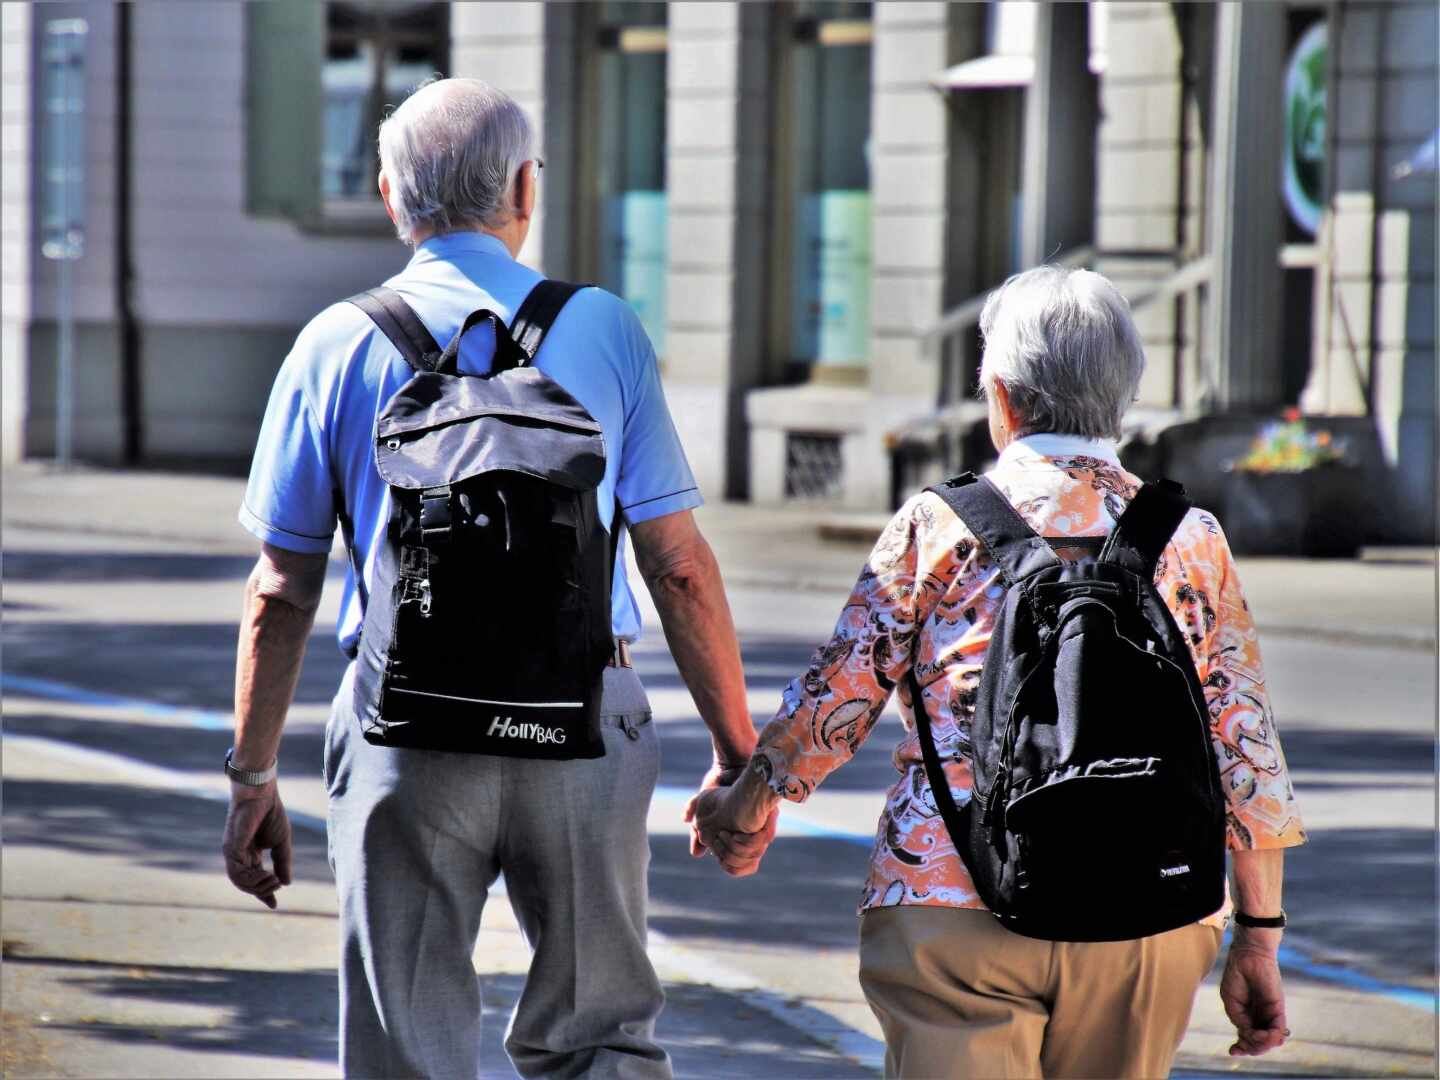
column 487, row 628
column 1096, row 812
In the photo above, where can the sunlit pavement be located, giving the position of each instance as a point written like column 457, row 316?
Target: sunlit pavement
column 127, row 953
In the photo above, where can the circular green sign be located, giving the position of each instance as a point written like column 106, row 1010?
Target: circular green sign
column 1305, row 106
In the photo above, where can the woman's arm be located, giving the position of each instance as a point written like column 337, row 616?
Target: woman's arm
column 829, row 711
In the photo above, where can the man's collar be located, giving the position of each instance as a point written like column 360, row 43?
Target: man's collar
column 465, row 241
column 1048, row 445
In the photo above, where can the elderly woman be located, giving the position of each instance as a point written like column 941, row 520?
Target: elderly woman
column 956, row 993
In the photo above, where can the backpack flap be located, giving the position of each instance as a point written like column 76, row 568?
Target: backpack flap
column 444, row 429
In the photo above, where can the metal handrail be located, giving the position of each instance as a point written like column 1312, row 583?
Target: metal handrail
column 967, row 313
column 953, row 414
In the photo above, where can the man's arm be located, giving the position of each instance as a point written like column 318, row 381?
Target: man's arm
column 281, row 597
column 684, row 580
column 1250, row 988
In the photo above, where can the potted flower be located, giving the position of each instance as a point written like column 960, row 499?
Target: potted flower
column 1294, row 493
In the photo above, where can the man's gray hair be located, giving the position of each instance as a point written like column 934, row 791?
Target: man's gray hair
column 452, row 151
column 1065, row 346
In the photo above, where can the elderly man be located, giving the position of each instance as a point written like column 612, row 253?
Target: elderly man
column 957, row 993
column 418, row 836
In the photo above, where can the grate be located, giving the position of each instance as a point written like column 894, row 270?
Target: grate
column 812, row 466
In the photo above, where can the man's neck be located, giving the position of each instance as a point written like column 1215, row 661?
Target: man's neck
column 509, row 236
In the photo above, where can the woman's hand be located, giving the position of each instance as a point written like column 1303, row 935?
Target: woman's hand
column 736, row 822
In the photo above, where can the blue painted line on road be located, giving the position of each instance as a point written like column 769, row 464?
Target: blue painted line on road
column 217, row 721
column 210, row 719
column 1291, row 960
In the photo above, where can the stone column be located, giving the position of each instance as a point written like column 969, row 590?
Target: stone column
column 1246, row 223
column 717, row 174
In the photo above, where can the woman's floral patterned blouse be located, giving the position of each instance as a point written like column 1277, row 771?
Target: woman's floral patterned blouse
column 928, row 598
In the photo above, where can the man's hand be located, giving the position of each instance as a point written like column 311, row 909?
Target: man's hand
column 1253, row 997
column 257, row 823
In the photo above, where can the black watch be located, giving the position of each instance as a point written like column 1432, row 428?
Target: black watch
column 1254, row 923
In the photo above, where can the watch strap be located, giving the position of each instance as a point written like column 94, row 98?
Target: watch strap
column 1256, row 923
column 250, row 777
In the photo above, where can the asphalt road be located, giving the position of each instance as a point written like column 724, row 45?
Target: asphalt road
column 126, row 953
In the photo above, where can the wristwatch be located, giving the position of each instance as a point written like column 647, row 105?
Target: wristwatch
column 249, row 777
column 1255, row 923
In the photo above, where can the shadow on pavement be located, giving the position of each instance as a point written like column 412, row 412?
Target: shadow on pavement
column 175, row 746
column 148, row 827
column 1317, row 750
column 285, row 1014
column 294, row 1015
column 39, row 567
column 805, row 895
column 185, row 665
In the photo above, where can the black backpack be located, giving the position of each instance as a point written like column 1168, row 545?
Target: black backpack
column 488, row 626
column 1096, row 812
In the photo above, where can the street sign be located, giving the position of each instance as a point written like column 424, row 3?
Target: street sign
column 62, row 200
column 62, row 136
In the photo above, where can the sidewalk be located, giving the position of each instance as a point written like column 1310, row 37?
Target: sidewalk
column 126, row 952
column 1385, row 601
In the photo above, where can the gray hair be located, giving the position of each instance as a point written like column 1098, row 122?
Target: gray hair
column 452, row 151
column 1065, row 347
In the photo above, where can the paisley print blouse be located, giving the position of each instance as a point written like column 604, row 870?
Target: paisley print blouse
column 928, row 597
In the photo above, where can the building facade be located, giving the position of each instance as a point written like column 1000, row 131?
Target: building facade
column 805, row 202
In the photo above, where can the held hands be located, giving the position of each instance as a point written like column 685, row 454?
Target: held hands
column 257, row 823
column 1251, row 992
column 726, row 818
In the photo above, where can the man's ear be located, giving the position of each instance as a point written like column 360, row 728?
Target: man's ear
column 525, row 190
column 384, row 182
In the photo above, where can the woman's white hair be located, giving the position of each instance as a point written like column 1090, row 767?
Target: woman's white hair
column 1065, row 347
column 452, row 151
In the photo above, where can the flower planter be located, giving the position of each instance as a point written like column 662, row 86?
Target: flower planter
column 1318, row 513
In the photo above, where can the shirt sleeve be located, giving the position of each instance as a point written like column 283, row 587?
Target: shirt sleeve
column 1261, row 810
column 655, row 477
column 289, row 500
column 829, row 711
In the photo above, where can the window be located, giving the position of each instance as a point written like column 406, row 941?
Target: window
column 824, row 180
column 320, row 77
column 631, row 209
column 375, row 56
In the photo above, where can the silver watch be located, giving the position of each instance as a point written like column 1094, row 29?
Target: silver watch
column 250, row 777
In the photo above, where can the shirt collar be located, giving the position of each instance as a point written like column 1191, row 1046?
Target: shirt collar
column 1049, row 445
column 465, row 241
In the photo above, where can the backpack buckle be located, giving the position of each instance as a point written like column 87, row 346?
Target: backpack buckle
column 435, row 514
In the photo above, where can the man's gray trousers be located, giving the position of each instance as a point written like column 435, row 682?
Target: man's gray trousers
column 417, row 838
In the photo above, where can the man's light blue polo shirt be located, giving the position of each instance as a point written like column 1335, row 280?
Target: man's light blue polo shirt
column 317, row 441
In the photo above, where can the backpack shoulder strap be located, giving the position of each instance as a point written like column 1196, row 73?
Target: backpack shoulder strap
column 1146, row 527
column 537, row 313
column 398, row 322
column 1014, row 547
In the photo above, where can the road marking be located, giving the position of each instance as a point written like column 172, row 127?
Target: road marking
column 209, row 719
column 215, row 720
column 150, row 775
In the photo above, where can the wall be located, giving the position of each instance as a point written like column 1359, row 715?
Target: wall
column 16, row 245
column 1376, row 314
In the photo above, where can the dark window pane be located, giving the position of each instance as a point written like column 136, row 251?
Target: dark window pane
column 376, row 54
